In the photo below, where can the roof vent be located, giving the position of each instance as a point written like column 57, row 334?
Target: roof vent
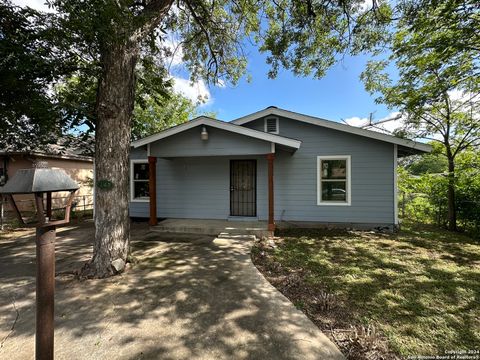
column 271, row 125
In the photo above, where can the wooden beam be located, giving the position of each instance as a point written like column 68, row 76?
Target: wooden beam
column 152, row 189
column 271, row 215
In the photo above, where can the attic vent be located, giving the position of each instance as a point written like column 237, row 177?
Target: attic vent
column 271, row 125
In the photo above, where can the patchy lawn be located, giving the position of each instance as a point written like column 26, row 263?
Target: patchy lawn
column 381, row 295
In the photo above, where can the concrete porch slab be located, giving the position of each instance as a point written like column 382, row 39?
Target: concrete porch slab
column 221, row 228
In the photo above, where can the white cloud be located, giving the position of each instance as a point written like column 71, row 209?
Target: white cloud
column 456, row 95
column 356, row 121
column 39, row 5
column 463, row 99
column 388, row 125
column 197, row 91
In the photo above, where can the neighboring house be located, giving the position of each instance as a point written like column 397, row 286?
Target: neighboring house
column 273, row 165
column 79, row 167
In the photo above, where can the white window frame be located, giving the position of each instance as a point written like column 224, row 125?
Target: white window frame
column 132, row 189
column 276, row 124
column 348, row 187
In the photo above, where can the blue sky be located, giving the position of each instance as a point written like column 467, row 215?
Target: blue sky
column 339, row 95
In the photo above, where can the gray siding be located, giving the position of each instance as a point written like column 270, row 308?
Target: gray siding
column 138, row 153
column 198, row 188
column 220, row 142
column 296, row 175
column 193, row 184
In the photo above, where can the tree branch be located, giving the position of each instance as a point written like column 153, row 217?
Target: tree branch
column 199, row 22
column 153, row 13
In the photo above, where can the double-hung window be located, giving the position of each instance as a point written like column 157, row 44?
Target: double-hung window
column 139, row 180
column 333, row 180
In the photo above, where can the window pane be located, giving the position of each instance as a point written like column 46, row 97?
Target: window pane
column 140, row 171
column 140, row 189
column 334, row 191
column 334, row 169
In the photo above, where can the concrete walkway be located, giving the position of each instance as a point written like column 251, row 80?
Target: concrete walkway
column 183, row 300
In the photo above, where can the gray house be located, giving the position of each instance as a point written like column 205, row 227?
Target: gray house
column 273, row 165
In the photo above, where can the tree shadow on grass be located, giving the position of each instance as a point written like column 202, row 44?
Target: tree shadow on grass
column 422, row 288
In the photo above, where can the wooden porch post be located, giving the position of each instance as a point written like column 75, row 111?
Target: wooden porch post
column 271, row 217
column 152, row 189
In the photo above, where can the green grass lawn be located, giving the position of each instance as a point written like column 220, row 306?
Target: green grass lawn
column 420, row 287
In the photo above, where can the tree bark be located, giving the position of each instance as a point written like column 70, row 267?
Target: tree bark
column 115, row 101
column 452, row 210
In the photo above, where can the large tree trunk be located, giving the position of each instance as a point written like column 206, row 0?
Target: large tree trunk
column 452, row 210
column 115, row 101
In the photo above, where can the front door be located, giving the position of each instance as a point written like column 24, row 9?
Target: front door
column 243, row 187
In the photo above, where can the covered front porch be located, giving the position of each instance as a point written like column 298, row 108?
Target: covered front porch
column 213, row 194
column 210, row 170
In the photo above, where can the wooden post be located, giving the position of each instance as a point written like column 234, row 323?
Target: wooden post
column 271, row 215
column 152, row 189
column 49, row 205
column 45, row 285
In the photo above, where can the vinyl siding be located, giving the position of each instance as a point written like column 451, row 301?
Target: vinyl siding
column 198, row 188
column 296, row 176
column 194, row 184
column 220, row 142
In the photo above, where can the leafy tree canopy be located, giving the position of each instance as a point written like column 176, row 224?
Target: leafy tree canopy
column 305, row 37
column 435, row 50
column 48, row 87
column 28, row 66
column 156, row 105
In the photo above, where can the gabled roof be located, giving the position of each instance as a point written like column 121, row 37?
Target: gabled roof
column 332, row 125
column 203, row 120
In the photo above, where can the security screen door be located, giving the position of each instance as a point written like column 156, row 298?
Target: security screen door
column 243, row 187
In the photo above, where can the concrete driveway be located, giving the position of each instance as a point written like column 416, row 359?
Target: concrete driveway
column 182, row 300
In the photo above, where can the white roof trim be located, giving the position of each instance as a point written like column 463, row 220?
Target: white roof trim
column 332, row 125
column 202, row 120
